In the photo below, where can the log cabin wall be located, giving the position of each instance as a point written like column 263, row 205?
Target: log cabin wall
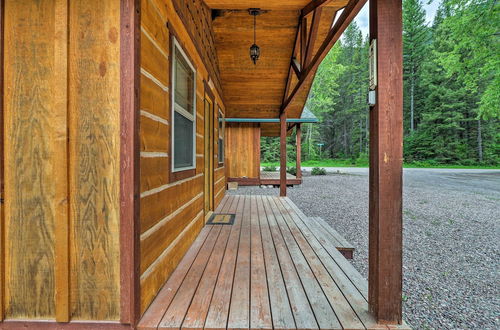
column 61, row 112
column 243, row 152
column 220, row 179
column 172, row 206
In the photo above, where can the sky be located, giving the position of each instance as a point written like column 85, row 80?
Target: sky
column 430, row 9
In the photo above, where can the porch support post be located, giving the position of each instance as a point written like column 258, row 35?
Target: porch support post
column 283, row 154
column 299, row 147
column 129, row 161
column 386, row 152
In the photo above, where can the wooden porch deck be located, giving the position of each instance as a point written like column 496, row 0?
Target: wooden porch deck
column 273, row 178
column 273, row 269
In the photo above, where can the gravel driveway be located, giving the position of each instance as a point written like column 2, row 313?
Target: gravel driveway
column 451, row 238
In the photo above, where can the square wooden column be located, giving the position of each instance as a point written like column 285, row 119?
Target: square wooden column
column 299, row 151
column 386, row 153
column 283, row 130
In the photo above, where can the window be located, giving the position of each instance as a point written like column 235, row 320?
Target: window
column 183, row 111
column 222, row 128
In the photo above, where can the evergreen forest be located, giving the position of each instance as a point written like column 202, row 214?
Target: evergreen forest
column 451, row 91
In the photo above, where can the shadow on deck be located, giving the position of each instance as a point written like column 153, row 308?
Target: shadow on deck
column 272, row 269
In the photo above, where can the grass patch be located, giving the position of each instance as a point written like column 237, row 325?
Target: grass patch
column 361, row 162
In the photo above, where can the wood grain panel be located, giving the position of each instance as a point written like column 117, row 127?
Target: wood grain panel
column 94, row 158
column 154, row 99
column 236, row 28
column 385, row 269
column 2, row 133
column 154, row 25
column 154, row 61
column 153, row 135
column 264, row 4
column 166, row 205
column 219, row 173
column 35, row 186
column 62, row 266
column 243, row 150
column 168, row 14
column 154, row 172
column 153, row 280
column 219, row 197
column 156, row 206
column 155, row 241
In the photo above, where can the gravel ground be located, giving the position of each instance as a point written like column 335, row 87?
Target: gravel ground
column 451, row 239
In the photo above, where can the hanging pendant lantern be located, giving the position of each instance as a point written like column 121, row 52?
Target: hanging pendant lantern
column 254, row 49
column 254, row 53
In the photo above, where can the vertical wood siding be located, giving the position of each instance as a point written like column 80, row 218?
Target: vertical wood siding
column 35, row 139
column 62, row 199
column 243, row 150
column 171, row 212
column 94, row 108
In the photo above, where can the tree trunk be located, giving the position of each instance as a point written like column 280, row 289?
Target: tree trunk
column 479, row 141
column 412, row 95
column 367, row 129
column 309, row 135
column 345, row 140
column 360, row 136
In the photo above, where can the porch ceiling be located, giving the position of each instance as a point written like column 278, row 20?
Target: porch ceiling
column 257, row 91
column 263, row 4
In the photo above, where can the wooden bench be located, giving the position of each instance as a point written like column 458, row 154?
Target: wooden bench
column 344, row 247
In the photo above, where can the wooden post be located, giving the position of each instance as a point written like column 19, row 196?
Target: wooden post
column 386, row 152
column 283, row 154
column 299, row 151
column 129, row 161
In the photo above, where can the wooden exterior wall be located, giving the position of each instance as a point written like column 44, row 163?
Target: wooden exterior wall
column 61, row 107
column 171, row 209
column 243, row 151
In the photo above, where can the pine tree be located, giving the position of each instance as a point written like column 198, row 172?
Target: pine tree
column 415, row 43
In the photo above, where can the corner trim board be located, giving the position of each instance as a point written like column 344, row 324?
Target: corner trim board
column 129, row 163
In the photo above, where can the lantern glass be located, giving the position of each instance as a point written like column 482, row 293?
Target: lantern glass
column 254, row 53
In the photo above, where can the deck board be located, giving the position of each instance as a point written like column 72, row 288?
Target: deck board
column 260, row 309
column 325, row 316
column 239, row 310
column 282, row 316
column 271, row 269
column 273, row 178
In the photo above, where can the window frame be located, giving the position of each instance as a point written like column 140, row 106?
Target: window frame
column 221, row 136
column 175, row 108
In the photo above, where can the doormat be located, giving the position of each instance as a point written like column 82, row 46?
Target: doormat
column 221, row 219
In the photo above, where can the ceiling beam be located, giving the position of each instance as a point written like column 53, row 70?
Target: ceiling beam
column 313, row 5
column 296, row 67
column 290, row 70
column 313, row 33
column 350, row 11
column 303, row 40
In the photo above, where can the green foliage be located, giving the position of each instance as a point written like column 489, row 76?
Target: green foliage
column 474, row 56
column 318, row 171
column 416, row 36
column 451, row 92
column 270, row 168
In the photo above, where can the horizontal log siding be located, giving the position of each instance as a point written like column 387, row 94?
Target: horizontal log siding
column 171, row 212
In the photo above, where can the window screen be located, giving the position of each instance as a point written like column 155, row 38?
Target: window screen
column 184, row 111
column 183, row 141
column 221, row 137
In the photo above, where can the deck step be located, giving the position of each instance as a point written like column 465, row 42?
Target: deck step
column 344, row 247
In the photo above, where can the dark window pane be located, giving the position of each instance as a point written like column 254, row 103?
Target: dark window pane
column 183, row 141
column 184, row 83
column 221, row 151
